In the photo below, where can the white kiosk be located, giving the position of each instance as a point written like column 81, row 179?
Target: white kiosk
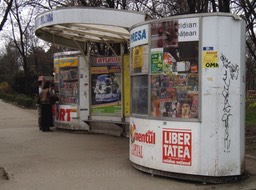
column 188, row 96
column 92, row 89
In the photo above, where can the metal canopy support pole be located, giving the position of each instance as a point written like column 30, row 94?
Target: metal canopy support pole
column 80, row 48
column 88, row 47
column 85, row 52
column 109, row 46
column 122, row 82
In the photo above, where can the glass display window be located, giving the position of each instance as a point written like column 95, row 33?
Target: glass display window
column 174, row 90
column 174, row 72
column 68, row 77
column 171, row 80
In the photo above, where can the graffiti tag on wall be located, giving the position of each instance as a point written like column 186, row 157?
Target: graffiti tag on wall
column 231, row 72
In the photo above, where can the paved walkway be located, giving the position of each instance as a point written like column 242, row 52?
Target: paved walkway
column 62, row 160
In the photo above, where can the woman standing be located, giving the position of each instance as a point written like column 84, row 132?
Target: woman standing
column 46, row 107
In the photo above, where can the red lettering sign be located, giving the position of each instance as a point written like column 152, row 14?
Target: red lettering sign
column 108, row 60
column 177, row 146
column 136, row 150
column 148, row 138
column 64, row 115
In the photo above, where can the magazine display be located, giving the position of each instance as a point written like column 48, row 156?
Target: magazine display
column 68, row 85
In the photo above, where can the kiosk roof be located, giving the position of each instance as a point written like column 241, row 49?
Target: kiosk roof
column 73, row 27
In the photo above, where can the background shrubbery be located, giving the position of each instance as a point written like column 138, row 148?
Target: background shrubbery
column 19, row 99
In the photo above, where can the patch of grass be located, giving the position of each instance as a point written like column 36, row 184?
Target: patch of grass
column 250, row 116
column 250, row 112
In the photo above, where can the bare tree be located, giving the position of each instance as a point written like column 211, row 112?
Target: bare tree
column 247, row 9
column 21, row 34
column 250, row 69
column 201, row 6
column 10, row 56
column 6, row 7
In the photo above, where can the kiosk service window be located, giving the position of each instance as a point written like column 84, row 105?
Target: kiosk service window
column 165, row 71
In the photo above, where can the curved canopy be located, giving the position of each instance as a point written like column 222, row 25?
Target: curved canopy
column 73, row 27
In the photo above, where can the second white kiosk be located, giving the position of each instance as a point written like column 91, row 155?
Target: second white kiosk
column 188, row 96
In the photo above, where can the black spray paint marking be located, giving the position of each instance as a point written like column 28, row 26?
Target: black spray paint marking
column 231, row 72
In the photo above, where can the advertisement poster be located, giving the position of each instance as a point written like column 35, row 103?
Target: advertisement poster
column 174, row 68
column 137, row 57
column 56, row 68
column 156, row 60
column 69, row 62
column 210, row 59
column 106, row 85
column 177, row 147
column 127, row 87
column 140, row 59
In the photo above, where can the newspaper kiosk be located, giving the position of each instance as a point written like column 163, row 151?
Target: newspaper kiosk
column 93, row 89
column 188, row 96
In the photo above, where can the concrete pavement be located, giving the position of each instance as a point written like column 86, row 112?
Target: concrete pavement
column 61, row 160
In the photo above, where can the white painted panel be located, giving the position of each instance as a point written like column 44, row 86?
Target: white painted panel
column 89, row 16
column 164, row 145
column 221, row 97
column 83, row 90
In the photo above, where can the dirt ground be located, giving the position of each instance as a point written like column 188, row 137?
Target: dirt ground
column 250, row 149
column 61, row 160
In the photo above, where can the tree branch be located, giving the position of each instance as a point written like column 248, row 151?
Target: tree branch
column 8, row 9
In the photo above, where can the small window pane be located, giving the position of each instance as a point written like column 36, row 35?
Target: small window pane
column 140, row 94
